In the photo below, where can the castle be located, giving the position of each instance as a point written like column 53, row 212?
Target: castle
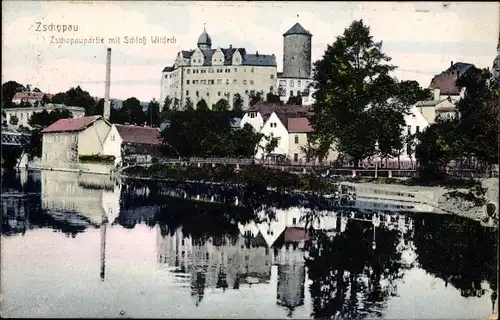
column 226, row 73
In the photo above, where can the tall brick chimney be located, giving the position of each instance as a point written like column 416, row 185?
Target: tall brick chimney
column 107, row 103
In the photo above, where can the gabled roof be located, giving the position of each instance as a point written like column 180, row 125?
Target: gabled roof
column 446, row 109
column 266, row 108
column 446, row 83
column 297, row 29
column 71, row 124
column 460, row 67
column 299, row 125
column 137, row 134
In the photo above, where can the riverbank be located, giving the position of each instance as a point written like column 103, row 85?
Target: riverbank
column 249, row 175
column 462, row 197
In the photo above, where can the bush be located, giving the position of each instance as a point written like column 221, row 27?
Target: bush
column 97, row 158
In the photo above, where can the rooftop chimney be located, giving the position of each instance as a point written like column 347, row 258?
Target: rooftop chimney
column 107, row 103
column 230, row 46
column 451, row 64
column 256, row 53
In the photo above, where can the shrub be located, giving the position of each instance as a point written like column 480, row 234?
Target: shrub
column 97, row 158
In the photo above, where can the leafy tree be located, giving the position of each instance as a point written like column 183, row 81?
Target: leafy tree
column 75, row 97
column 9, row 89
column 310, row 150
column 97, row 108
column 221, row 105
column 410, row 92
column 237, row 102
column 255, row 97
column 271, row 143
column 153, row 113
column 14, row 120
column 355, row 93
column 202, row 105
column 244, row 142
column 189, row 105
column 272, row 98
column 132, row 112
column 295, row 100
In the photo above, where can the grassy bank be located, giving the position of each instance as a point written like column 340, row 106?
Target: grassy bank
column 250, row 175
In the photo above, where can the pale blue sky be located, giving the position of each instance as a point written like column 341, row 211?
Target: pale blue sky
column 422, row 38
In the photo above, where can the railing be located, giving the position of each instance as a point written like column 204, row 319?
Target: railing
column 14, row 138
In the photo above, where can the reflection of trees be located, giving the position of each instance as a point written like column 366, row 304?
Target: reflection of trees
column 347, row 273
column 458, row 250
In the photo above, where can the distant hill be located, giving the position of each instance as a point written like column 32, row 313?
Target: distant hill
column 117, row 103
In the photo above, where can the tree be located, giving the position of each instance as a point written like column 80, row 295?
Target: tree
column 295, row 100
column 37, row 90
column 272, row 98
column 271, row 143
column 189, row 105
column 202, row 105
column 13, row 120
column 9, row 89
column 354, row 92
column 97, row 108
column 132, row 111
column 153, row 113
column 310, row 150
column 237, row 102
column 76, row 97
column 244, row 142
column 221, row 105
column 255, row 97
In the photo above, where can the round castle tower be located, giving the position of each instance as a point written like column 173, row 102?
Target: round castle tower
column 297, row 53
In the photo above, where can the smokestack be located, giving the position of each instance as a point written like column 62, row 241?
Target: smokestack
column 107, row 103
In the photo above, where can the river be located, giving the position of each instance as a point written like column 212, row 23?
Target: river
column 86, row 246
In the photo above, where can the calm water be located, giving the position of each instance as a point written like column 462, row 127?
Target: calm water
column 83, row 246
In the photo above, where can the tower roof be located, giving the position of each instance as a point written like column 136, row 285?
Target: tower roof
column 297, row 29
column 204, row 39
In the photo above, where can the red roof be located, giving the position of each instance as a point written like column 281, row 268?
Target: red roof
column 446, row 83
column 446, row 109
column 71, row 124
column 137, row 134
column 299, row 125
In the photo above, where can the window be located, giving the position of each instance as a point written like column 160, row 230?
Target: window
column 272, row 76
column 235, row 81
column 188, row 71
column 112, row 138
column 211, row 70
column 187, row 92
column 203, row 71
column 227, row 81
column 246, row 91
column 251, row 81
column 291, row 93
column 197, row 93
column 273, row 125
column 298, row 93
column 417, row 129
column 296, row 139
column 294, row 220
column 244, row 82
column 218, row 93
column 187, row 81
column 299, row 83
column 282, row 82
column 253, row 114
column 211, row 81
column 291, row 83
column 166, row 76
column 219, row 81
column 203, row 81
column 236, row 69
column 409, row 130
column 208, row 94
column 252, row 70
column 228, row 70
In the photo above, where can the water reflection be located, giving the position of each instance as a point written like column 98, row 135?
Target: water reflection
column 247, row 244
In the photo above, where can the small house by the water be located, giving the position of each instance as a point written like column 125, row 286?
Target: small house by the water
column 126, row 141
column 64, row 141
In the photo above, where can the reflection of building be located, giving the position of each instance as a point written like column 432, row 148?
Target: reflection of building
column 83, row 194
column 291, row 285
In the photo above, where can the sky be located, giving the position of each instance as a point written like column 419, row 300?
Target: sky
column 422, row 38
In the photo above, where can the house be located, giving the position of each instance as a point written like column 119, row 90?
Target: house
column 259, row 113
column 428, row 108
column 23, row 114
column 299, row 132
column 447, row 112
column 415, row 123
column 446, row 81
column 275, row 127
column 67, row 139
column 129, row 140
column 29, row 96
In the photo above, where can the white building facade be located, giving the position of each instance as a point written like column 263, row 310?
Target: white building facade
column 215, row 74
column 23, row 114
column 275, row 128
column 415, row 123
